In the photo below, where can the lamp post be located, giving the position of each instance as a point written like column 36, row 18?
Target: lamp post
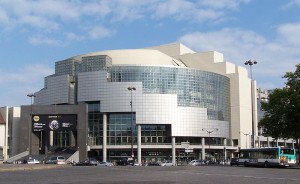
column 246, row 134
column 250, row 63
column 31, row 96
column 131, row 88
column 209, row 132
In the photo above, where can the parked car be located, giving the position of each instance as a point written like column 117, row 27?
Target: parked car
column 152, row 164
column 167, row 163
column 33, row 161
column 56, row 160
column 105, row 164
column 195, row 162
column 136, row 164
column 87, row 162
column 90, row 162
column 234, row 161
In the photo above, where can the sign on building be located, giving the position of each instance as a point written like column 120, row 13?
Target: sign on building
column 52, row 122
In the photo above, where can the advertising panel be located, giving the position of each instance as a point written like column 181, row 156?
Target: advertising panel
column 56, row 122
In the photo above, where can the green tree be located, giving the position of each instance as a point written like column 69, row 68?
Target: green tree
column 282, row 110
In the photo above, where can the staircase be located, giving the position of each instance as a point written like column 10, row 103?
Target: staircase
column 16, row 157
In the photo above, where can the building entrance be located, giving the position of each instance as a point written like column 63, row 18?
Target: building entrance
column 54, row 133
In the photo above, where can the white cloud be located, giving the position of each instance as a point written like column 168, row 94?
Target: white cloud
column 100, row 9
column 228, row 4
column 226, row 40
column 26, row 75
column 4, row 19
column 48, row 13
column 290, row 33
column 25, row 80
column 39, row 22
column 275, row 57
column 172, row 7
column 205, row 10
column 73, row 37
column 99, row 32
column 291, row 4
column 43, row 40
column 53, row 18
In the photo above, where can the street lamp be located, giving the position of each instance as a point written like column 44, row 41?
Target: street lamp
column 250, row 63
column 209, row 132
column 131, row 88
column 31, row 96
column 246, row 134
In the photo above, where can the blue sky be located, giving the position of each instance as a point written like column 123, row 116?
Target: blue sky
column 34, row 34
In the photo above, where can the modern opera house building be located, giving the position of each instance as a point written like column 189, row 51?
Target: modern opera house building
column 180, row 104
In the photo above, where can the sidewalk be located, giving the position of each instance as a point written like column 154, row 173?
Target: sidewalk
column 24, row 167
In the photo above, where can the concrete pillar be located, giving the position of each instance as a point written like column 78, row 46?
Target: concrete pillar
column 203, row 148
column 225, row 152
column 51, row 138
column 104, row 150
column 277, row 143
column 258, row 141
column 268, row 141
column 139, row 146
column 173, row 151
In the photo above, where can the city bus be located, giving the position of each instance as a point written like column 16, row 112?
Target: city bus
column 267, row 157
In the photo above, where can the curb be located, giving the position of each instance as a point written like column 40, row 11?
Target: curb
column 8, row 168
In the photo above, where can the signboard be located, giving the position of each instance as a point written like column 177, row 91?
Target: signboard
column 185, row 144
column 189, row 150
column 54, row 122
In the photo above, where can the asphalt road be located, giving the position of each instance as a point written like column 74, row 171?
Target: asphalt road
column 151, row 174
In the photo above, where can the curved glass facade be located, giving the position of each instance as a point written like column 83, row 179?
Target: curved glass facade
column 194, row 88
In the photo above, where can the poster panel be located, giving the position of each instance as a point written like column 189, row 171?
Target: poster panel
column 56, row 122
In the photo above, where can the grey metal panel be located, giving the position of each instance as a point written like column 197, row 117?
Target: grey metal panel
column 191, row 121
column 149, row 108
column 57, row 91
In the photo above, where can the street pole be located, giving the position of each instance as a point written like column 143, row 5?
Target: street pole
column 31, row 96
column 250, row 63
column 246, row 134
column 209, row 132
column 131, row 89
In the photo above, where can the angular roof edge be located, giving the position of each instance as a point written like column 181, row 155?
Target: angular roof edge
column 173, row 49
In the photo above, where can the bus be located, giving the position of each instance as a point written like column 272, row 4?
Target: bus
column 267, row 157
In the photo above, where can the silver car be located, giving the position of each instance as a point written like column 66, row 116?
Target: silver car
column 167, row 163
column 105, row 164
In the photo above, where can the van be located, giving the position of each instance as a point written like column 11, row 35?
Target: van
column 57, row 160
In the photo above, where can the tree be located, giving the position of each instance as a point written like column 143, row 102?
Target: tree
column 282, row 110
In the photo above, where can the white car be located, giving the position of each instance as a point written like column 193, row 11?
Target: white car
column 33, row 161
column 105, row 164
column 167, row 163
column 195, row 162
column 56, row 160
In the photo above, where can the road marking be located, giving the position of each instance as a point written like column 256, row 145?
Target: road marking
column 241, row 176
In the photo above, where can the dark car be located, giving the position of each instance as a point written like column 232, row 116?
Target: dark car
column 152, row 164
column 234, row 161
column 90, row 161
column 87, row 162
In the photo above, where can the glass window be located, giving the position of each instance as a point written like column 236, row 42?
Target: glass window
column 194, row 88
column 121, row 124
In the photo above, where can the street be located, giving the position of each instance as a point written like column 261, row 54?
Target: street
column 151, row 174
